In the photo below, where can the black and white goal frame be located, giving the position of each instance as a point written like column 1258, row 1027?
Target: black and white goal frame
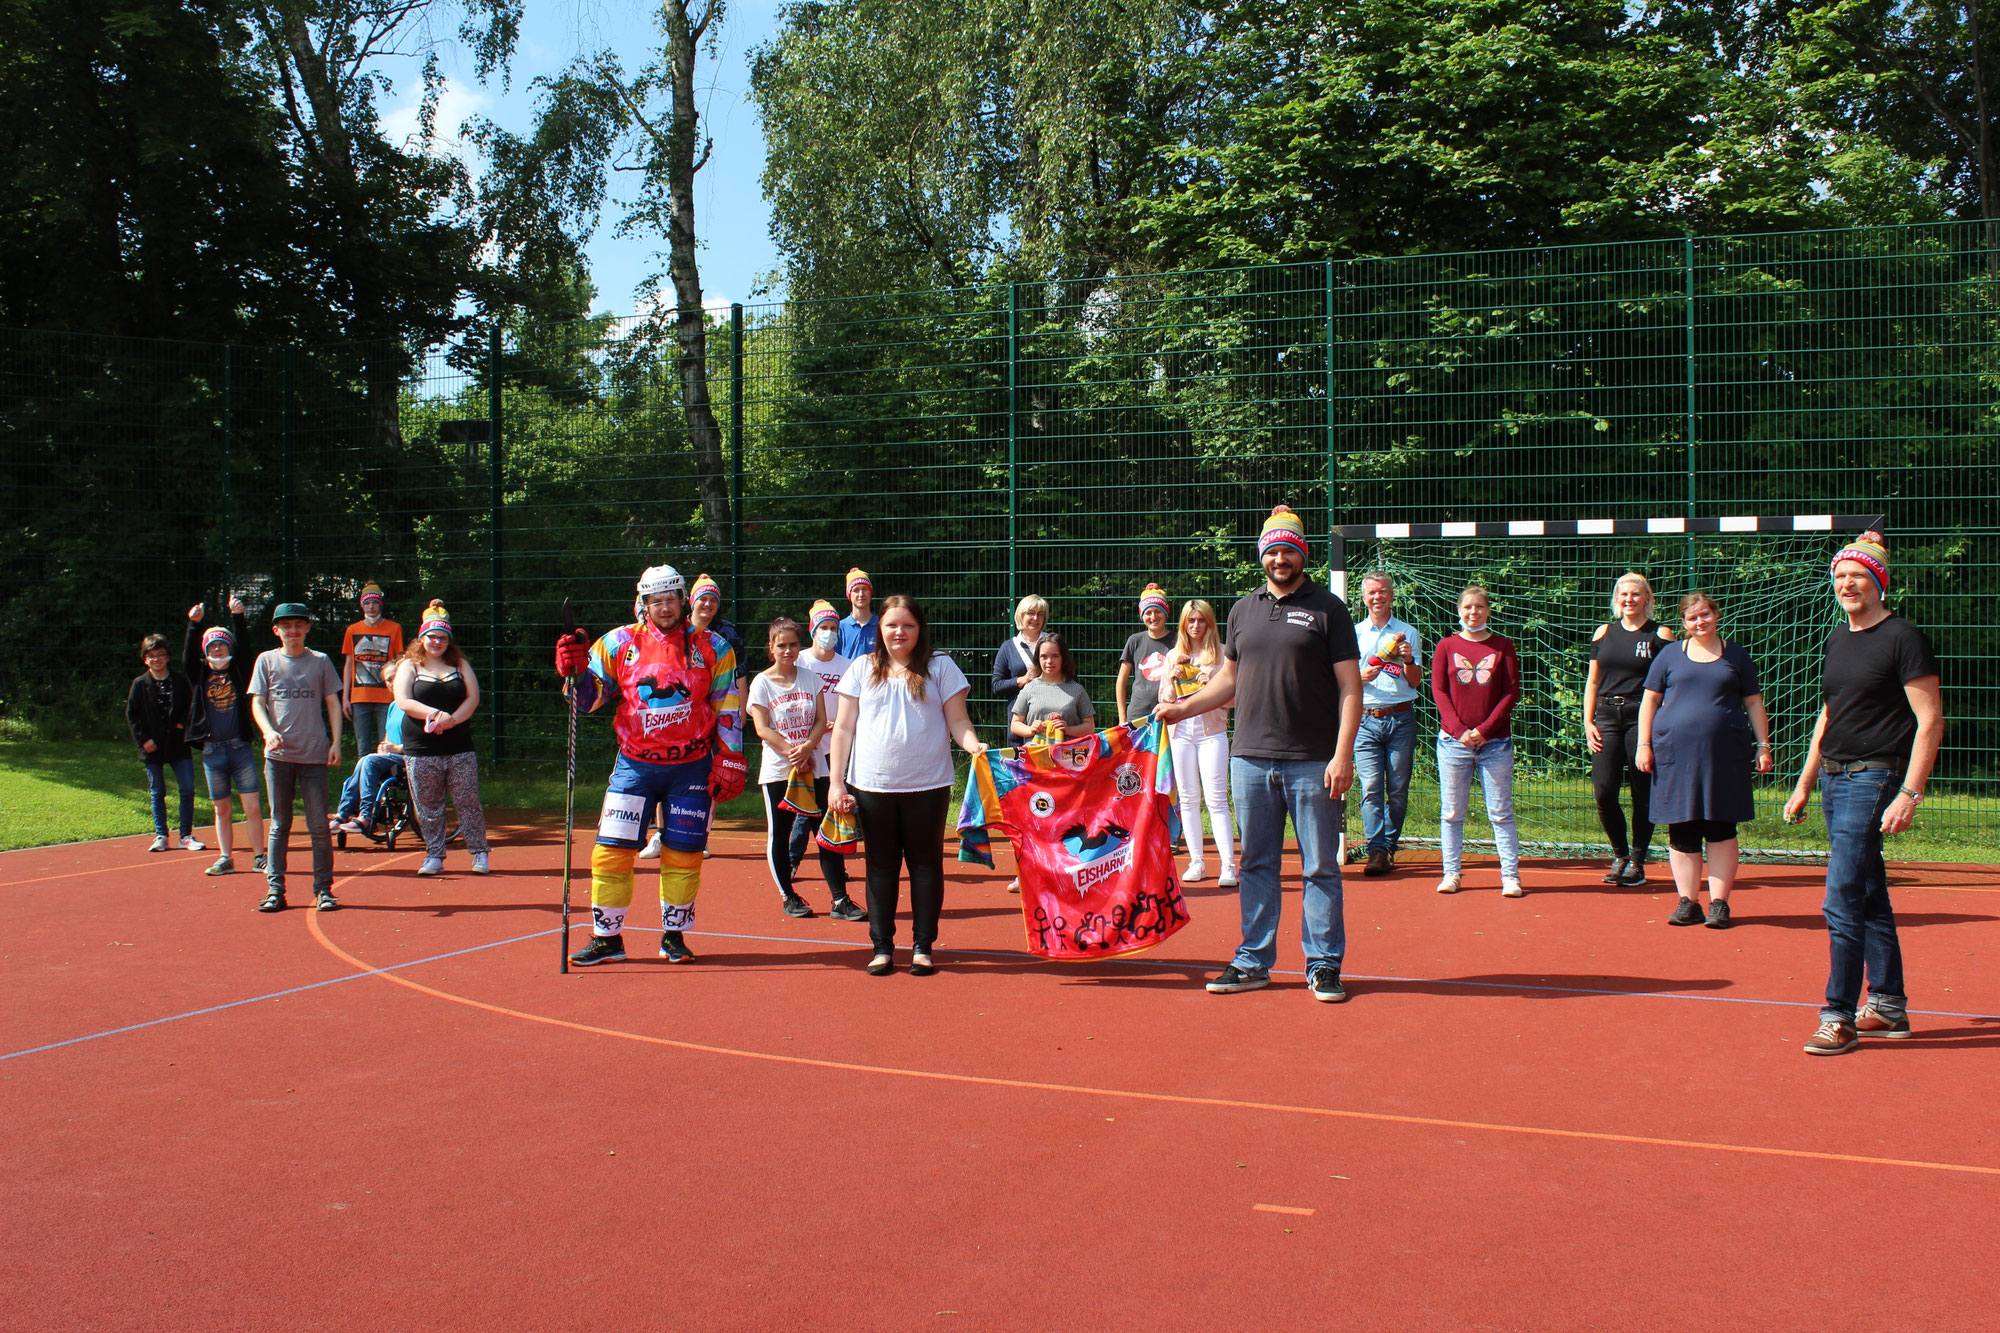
column 1727, row 525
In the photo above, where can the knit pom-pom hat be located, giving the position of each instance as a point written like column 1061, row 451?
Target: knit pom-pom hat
column 435, row 618
column 704, row 586
column 1154, row 596
column 371, row 591
column 1870, row 553
column 822, row 613
column 1282, row 527
column 857, row 577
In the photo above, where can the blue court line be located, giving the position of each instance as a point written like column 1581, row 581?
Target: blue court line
column 276, row 994
column 1154, row 963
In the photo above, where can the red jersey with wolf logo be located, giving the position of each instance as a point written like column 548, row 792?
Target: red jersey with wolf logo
column 1092, row 823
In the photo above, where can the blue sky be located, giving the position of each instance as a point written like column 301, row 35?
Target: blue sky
column 730, row 214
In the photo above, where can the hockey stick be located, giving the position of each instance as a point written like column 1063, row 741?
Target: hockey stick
column 569, row 788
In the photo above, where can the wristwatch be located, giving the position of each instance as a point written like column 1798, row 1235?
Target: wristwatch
column 1916, row 797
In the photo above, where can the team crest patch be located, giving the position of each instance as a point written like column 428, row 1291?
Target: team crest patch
column 1127, row 780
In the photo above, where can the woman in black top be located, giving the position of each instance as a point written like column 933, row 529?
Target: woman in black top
column 1621, row 653
column 439, row 692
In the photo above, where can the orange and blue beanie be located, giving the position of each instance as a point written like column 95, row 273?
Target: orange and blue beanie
column 1154, row 596
column 1868, row 551
column 1285, row 528
column 704, row 586
column 857, row 577
column 822, row 613
column 435, row 618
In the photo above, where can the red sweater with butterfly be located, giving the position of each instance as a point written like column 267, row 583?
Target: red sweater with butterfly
column 1476, row 686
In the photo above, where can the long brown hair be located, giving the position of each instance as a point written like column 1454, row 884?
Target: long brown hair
column 919, row 665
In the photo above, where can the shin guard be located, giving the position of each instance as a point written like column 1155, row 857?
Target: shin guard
column 610, row 887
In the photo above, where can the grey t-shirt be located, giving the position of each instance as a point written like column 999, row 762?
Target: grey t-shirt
column 1065, row 699
column 295, row 691
column 1140, row 650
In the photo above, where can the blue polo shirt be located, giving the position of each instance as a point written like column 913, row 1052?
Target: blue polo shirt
column 857, row 641
column 1387, row 690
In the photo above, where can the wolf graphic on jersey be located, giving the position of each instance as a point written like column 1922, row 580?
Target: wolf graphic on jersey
column 1092, row 822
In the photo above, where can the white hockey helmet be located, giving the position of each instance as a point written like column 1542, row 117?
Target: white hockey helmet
column 658, row 579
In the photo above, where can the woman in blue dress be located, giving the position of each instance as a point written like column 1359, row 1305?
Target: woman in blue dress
column 1702, row 707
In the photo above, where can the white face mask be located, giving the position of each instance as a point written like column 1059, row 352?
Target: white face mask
column 218, row 661
column 826, row 638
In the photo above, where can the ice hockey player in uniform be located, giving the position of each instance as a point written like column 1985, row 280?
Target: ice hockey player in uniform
column 678, row 717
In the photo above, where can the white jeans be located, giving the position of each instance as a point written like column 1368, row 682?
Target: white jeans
column 1201, row 771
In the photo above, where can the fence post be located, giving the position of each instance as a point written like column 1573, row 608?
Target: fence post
column 496, row 508
column 1336, row 573
column 736, row 461
column 1688, row 425
column 1013, row 444
column 287, row 564
column 228, row 426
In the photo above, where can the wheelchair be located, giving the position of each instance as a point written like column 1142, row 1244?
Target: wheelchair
column 395, row 814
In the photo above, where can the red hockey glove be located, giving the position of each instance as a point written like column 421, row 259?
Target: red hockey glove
column 727, row 776
column 572, row 654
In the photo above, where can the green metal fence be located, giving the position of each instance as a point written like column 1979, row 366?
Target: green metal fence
column 1072, row 440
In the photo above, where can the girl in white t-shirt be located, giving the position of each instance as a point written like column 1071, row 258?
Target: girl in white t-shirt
column 1201, row 744
column 900, row 709
column 788, row 709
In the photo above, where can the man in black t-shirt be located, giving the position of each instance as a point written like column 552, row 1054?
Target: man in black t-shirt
column 1872, row 752
column 1292, row 670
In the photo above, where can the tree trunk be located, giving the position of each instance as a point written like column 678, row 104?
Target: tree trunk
column 684, row 159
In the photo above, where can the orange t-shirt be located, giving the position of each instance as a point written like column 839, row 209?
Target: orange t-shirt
column 373, row 648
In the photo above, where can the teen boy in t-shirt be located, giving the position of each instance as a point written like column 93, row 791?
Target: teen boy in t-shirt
column 290, row 687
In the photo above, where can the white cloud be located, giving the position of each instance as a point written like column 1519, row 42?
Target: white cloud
column 457, row 103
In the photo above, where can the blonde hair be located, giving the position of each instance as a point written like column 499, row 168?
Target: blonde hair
column 1211, row 650
column 1633, row 576
column 1030, row 603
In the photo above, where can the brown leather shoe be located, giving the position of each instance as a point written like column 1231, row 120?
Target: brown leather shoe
column 1872, row 1022
column 1378, row 865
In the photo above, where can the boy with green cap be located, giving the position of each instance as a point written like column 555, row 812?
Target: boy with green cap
column 290, row 687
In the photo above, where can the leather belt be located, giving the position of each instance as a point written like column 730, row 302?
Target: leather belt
column 1390, row 711
column 1837, row 766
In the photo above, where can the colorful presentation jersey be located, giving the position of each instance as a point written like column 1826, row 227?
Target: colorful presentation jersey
column 674, row 691
column 1092, row 822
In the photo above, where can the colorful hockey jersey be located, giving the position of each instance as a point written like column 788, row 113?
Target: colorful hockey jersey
column 673, row 691
column 1092, row 822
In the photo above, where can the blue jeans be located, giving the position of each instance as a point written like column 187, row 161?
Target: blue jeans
column 156, row 783
column 1859, row 920
column 1266, row 790
column 358, row 794
column 1382, row 752
column 1494, row 762
column 369, row 722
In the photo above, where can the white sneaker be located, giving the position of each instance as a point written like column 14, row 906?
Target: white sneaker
column 433, row 865
column 1226, row 880
column 159, row 844
column 1510, row 887
column 1449, row 884
column 193, row 845
column 479, row 866
column 1195, row 871
column 651, row 851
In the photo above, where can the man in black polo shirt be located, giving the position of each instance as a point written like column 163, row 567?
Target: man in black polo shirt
column 1291, row 668
column 1872, row 752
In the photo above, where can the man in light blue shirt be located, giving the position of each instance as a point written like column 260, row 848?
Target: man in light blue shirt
column 1392, row 670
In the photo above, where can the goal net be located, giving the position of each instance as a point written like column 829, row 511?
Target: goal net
column 1551, row 586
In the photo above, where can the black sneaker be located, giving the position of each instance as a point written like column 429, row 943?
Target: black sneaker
column 1324, row 983
column 674, row 949
column 846, row 909
column 796, row 906
column 1616, row 875
column 1634, row 875
column 1686, row 913
column 601, row 949
column 1233, row 979
column 325, row 901
column 1718, row 916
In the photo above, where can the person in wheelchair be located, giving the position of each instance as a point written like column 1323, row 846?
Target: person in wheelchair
column 362, row 797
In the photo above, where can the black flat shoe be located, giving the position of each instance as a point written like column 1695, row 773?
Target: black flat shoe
column 921, row 964
column 881, row 965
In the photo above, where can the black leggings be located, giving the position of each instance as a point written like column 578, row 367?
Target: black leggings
column 1618, row 724
column 1688, row 837
column 778, row 823
column 901, row 828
